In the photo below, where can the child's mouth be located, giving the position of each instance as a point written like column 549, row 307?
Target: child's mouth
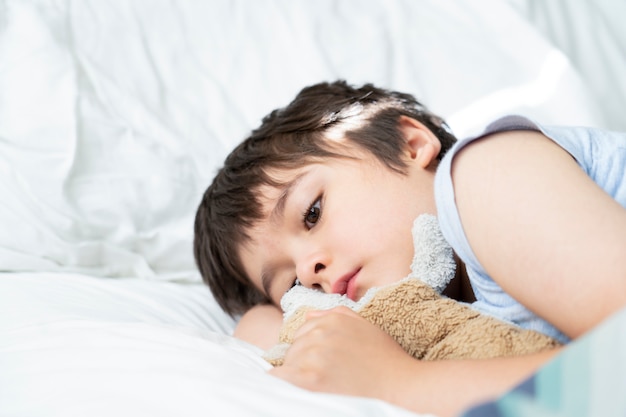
column 346, row 285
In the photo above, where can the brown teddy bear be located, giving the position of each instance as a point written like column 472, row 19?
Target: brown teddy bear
column 427, row 325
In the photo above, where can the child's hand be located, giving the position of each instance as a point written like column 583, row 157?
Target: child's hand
column 340, row 352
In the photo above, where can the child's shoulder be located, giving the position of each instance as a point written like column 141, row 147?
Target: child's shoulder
column 497, row 149
column 500, row 165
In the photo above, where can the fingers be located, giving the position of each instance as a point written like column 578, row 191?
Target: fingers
column 333, row 352
column 301, row 377
column 321, row 321
column 339, row 310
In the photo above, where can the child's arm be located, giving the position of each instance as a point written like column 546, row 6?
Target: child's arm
column 338, row 351
column 260, row 326
column 542, row 229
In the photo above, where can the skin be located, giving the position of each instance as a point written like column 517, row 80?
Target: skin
column 362, row 230
column 541, row 228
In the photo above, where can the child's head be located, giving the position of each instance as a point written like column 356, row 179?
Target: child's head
column 303, row 133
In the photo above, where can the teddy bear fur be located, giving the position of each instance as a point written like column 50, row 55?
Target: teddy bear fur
column 431, row 327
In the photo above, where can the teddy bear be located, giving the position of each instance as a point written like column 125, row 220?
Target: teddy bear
column 428, row 325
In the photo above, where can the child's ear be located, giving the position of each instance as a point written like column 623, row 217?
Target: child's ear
column 422, row 144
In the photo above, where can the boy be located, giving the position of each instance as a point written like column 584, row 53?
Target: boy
column 324, row 193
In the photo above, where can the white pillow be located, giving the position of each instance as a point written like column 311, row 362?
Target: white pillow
column 115, row 115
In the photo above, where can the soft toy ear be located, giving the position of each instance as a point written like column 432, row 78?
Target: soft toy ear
column 276, row 354
column 291, row 324
column 433, row 261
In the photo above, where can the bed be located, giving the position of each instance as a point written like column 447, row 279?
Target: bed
column 115, row 115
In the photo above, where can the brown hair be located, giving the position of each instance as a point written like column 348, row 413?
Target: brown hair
column 288, row 138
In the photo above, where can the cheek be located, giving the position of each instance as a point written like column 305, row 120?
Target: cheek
column 252, row 256
column 395, row 241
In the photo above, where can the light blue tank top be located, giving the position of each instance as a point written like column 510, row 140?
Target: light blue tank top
column 601, row 154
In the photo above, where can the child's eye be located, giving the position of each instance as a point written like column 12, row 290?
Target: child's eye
column 312, row 214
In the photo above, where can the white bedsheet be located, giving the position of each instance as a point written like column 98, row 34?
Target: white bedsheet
column 73, row 345
column 115, row 115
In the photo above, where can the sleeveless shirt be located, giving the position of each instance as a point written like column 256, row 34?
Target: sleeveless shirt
column 602, row 156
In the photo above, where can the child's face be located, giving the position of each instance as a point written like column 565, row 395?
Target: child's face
column 342, row 226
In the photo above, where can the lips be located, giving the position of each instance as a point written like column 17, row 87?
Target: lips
column 346, row 285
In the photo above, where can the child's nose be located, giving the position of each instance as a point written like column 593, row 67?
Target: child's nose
column 311, row 274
